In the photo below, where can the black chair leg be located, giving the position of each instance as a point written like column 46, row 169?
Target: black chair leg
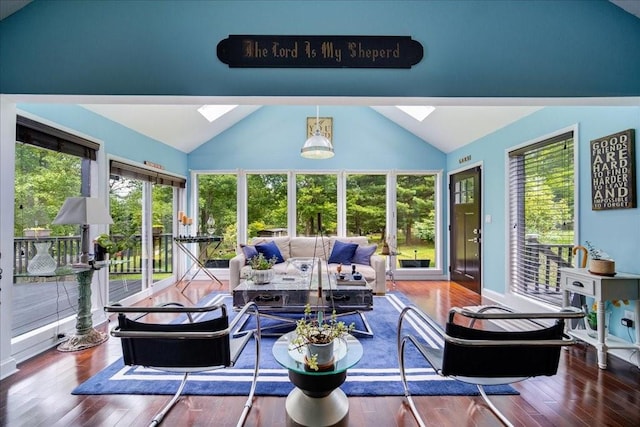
column 163, row 412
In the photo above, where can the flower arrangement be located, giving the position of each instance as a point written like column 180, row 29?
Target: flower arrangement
column 596, row 253
column 259, row 262
column 316, row 330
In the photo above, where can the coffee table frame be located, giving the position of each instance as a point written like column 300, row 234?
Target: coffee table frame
column 269, row 296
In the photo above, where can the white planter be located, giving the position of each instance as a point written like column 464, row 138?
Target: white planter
column 36, row 232
column 323, row 353
column 261, row 277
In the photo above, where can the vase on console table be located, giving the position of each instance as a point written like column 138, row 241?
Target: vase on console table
column 42, row 262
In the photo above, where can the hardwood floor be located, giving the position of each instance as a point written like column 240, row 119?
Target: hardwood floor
column 579, row 395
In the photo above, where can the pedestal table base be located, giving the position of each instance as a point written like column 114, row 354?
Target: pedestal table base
column 81, row 342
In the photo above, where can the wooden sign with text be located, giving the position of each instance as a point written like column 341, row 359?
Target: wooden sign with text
column 320, row 51
column 613, row 178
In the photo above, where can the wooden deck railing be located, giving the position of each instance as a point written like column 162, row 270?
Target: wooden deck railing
column 66, row 250
column 543, row 262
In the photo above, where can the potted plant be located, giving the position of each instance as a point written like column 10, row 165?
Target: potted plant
column 105, row 244
column 415, row 262
column 316, row 336
column 261, row 269
column 600, row 262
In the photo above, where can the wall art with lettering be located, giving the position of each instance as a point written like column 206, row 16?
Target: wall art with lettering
column 613, row 174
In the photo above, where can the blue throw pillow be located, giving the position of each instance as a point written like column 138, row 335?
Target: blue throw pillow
column 269, row 250
column 342, row 252
column 249, row 252
column 363, row 254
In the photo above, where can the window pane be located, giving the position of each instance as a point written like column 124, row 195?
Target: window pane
column 316, row 194
column 125, row 205
column 217, row 212
column 366, row 206
column 162, row 212
column 415, row 204
column 267, row 205
column 542, row 217
column 43, row 180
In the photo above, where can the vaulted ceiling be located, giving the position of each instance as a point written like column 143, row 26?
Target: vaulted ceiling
column 453, row 124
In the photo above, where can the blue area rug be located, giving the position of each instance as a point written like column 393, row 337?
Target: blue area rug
column 376, row 374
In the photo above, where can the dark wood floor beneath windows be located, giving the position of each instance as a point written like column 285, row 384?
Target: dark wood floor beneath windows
column 579, row 395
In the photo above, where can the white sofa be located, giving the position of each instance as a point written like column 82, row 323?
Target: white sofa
column 293, row 247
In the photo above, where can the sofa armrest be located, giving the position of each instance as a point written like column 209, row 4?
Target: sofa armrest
column 235, row 265
column 378, row 262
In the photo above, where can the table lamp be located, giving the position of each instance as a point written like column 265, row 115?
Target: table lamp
column 83, row 211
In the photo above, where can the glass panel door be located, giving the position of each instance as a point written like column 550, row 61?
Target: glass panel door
column 125, row 269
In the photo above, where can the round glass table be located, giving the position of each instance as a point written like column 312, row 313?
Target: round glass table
column 317, row 399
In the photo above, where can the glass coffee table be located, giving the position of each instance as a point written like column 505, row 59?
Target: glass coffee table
column 287, row 294
column 317, row 399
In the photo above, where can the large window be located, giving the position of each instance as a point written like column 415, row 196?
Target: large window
column 399, row 208
column 50, row 165
column 316, row 194
column 542, row 217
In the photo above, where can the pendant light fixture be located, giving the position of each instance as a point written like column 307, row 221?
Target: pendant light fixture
column 317, row 146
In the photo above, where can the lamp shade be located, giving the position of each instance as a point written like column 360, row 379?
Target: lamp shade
column 317, row 147
column 83, row 210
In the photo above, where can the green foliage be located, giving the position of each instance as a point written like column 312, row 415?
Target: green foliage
column 316, row 194
column 259, row 262
column 43, row 180
column 267, row 202
column 217, row 199
column 548, row 193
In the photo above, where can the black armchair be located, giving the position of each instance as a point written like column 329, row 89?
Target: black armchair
column 489, row 357
column 187, row 347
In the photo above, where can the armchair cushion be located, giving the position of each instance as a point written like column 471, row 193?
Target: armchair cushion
column 342, row 252
column 270, row 250
column 363, row 254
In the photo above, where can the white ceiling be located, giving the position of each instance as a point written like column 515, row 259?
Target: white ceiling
column 454, row 123
column 182, row 127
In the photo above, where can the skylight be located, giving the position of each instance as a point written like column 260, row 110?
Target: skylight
column 418, row 112
column 214, row 112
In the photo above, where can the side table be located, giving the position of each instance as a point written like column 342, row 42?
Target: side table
column 390, row 267
column 86, row 336
column 602, row 288
column 317, row 399
column 198, row 261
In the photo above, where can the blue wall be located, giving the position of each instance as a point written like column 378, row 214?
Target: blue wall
column 617, row 232
column 118, row 140
column 271, row 138
column 472, row 48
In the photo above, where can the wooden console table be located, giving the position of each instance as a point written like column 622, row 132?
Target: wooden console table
column 602, row 288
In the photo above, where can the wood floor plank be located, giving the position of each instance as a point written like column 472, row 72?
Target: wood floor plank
column 579, row 395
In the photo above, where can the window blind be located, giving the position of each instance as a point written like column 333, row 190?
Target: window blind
column 541, row 214
column 143, row 174
column 40, row 135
